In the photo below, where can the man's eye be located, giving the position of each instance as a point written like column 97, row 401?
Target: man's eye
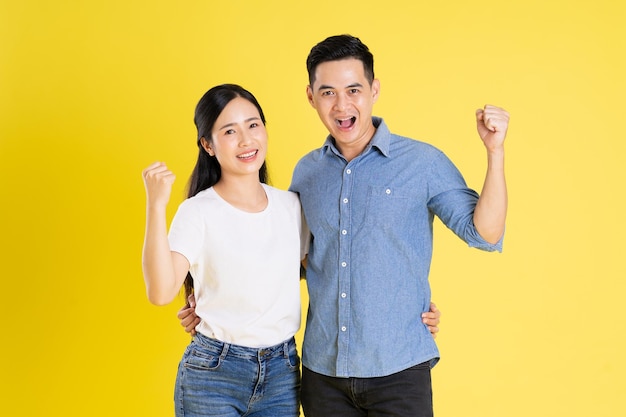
column 327, row 93
column 354, row 90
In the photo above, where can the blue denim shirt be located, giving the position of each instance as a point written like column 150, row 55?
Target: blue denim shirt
column 371, row 222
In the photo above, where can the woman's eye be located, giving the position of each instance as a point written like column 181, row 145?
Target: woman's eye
column 254, row 124
column 230, row 131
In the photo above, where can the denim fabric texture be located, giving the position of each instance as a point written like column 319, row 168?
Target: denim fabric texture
column 371, row 222
column 221, row 379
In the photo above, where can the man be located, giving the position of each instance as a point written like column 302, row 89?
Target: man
column 369, row 198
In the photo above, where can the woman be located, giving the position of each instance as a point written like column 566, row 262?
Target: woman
column 240, row 241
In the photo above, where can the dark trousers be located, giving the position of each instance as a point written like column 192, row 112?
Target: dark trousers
column 406, row 393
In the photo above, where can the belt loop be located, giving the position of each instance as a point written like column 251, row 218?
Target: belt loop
column 286, row 349
column 224, row 351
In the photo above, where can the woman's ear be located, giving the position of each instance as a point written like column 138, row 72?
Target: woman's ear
column 207, row 146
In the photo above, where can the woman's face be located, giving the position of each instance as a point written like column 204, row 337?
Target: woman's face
column 239, row 139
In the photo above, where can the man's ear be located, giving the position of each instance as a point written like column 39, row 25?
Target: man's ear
column 375, row 89
column 309, row 95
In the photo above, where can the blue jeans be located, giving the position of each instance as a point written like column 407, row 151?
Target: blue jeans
column 406, row 393
column 221, row 379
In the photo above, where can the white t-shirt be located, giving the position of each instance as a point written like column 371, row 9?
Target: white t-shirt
column 246, row 266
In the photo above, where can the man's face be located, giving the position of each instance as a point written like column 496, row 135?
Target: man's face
column 344, row 99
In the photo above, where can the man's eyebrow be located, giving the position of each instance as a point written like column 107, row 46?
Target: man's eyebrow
column 328, row 87
column 324, row 87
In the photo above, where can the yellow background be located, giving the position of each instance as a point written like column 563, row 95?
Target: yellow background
column 92, row 92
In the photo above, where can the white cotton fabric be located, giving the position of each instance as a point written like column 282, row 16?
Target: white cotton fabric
column 246, row 266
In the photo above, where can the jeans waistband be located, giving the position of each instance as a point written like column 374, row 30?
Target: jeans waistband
column 223, row 349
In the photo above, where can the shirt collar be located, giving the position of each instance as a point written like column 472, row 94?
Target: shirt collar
column 380, row 140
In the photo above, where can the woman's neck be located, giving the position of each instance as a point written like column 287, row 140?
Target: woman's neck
column 244, row 193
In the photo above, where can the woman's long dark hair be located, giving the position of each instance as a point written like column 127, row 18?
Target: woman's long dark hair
column 207, row 171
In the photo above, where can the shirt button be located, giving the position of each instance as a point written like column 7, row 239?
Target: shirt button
column 343, row 328
column 344, row 232
column 344, row 264
column 345, row 201
column 348, row 171
column 388, row 191
column 343, row 295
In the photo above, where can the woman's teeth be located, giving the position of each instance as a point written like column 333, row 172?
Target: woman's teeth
column 247, row 155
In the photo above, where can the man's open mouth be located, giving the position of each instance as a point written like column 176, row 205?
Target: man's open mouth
column 346, row 123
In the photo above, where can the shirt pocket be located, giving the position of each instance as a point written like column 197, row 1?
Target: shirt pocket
column 386, row 206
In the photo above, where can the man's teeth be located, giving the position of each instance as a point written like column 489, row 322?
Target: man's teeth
column 345, row 122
